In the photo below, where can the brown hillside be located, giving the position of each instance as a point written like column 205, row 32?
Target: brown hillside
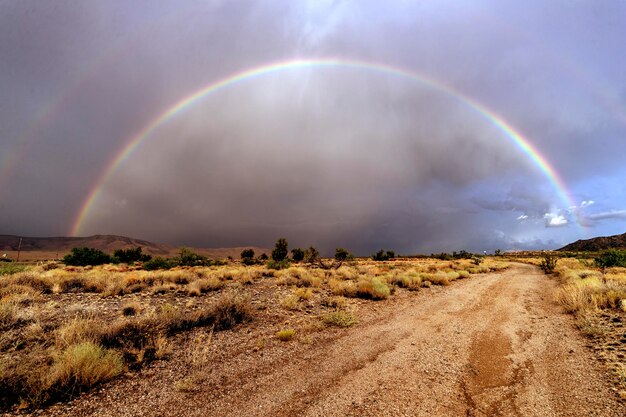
column 40, row 248
column 596, row 244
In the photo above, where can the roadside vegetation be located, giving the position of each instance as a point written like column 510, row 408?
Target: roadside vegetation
column 593, row 288
column 65, row 328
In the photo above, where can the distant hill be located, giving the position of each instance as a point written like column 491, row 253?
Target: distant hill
column 40, row 248
column 596, row 244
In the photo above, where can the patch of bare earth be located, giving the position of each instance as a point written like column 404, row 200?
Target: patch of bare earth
column 495, row 344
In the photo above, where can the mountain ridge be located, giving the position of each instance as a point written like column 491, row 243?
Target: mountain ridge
column 40, row 248
column 596, row 244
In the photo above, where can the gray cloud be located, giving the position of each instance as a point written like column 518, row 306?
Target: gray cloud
column 329, row 156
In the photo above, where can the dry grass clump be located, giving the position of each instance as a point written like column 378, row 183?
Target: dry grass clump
column 131, row 308
column 285, row 335
column 292, row 301
column 299, row 276
column 585, row 289
column 373, row 288
column 342, row 288
column 438, row 278
column 204, row 285
column 410, row 280
column 339, row 318
column 79, row 284
column 77, row 331
column 83, row 365
column 28, row 279
column 9, row 315
column 334, row 302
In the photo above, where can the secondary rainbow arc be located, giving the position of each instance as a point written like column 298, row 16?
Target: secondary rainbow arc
column 510, row 133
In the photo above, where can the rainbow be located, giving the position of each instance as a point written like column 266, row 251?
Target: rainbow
column 187, row 102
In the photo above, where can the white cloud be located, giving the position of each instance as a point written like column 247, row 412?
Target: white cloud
column 555, row 220
column 613, row 214
column 587, row 203
column 522, row 217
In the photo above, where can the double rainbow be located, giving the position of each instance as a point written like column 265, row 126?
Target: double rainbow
column 189, row 101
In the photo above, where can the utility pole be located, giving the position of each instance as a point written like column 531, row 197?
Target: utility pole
column 19, row 247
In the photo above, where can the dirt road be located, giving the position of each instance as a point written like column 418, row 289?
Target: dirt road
column 491, row 345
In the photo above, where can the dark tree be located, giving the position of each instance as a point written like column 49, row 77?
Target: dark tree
column 281, row 250
column 131, row 255
column 297, row 254
column 311, row 255
column 187, row 257
column 247, row 253
column 86, row 256
column 342, row 254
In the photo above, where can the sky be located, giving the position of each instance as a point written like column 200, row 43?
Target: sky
column 418, row 126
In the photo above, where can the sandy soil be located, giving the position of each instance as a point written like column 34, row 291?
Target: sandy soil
column 492, row 345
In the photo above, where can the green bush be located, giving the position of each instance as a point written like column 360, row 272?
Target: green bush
column 548, row 263
column 272, row 264
column 342, row 254
column 187, row 257
column 247, row 257
column 297, row 254
column 11, row 268
column 382, row 255
column 611, row 258
column 158, row 263
column 129, row 256
column 86, row 256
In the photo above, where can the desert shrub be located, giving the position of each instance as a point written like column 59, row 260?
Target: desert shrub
column 342, row 254
column 204, row 285
column 548, row 263
column 131, row 255
column 334, row 302
column 611, row 258
column 285, row 335
column 86, row 256
column 22, row 379
column 343, row 288
column 339, row 318
column 247, row 257
column 438, row 278
column 79, row 284
column 297, row 255
column 281, row 250
column 273, row 264
column 231, row 310
column 39, row 284
column 247, row 253
column 373, row 288
column 78, row 330
column 187, row 257
column 9, row 315
column 383, row 255
column 131, row 308
column 11, row 268
column 463, row 274
column 290, row 302
column 411, row 281
column 158, row 263
column 311, row 255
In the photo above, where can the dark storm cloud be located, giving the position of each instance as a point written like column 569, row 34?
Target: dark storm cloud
column 332, row 157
